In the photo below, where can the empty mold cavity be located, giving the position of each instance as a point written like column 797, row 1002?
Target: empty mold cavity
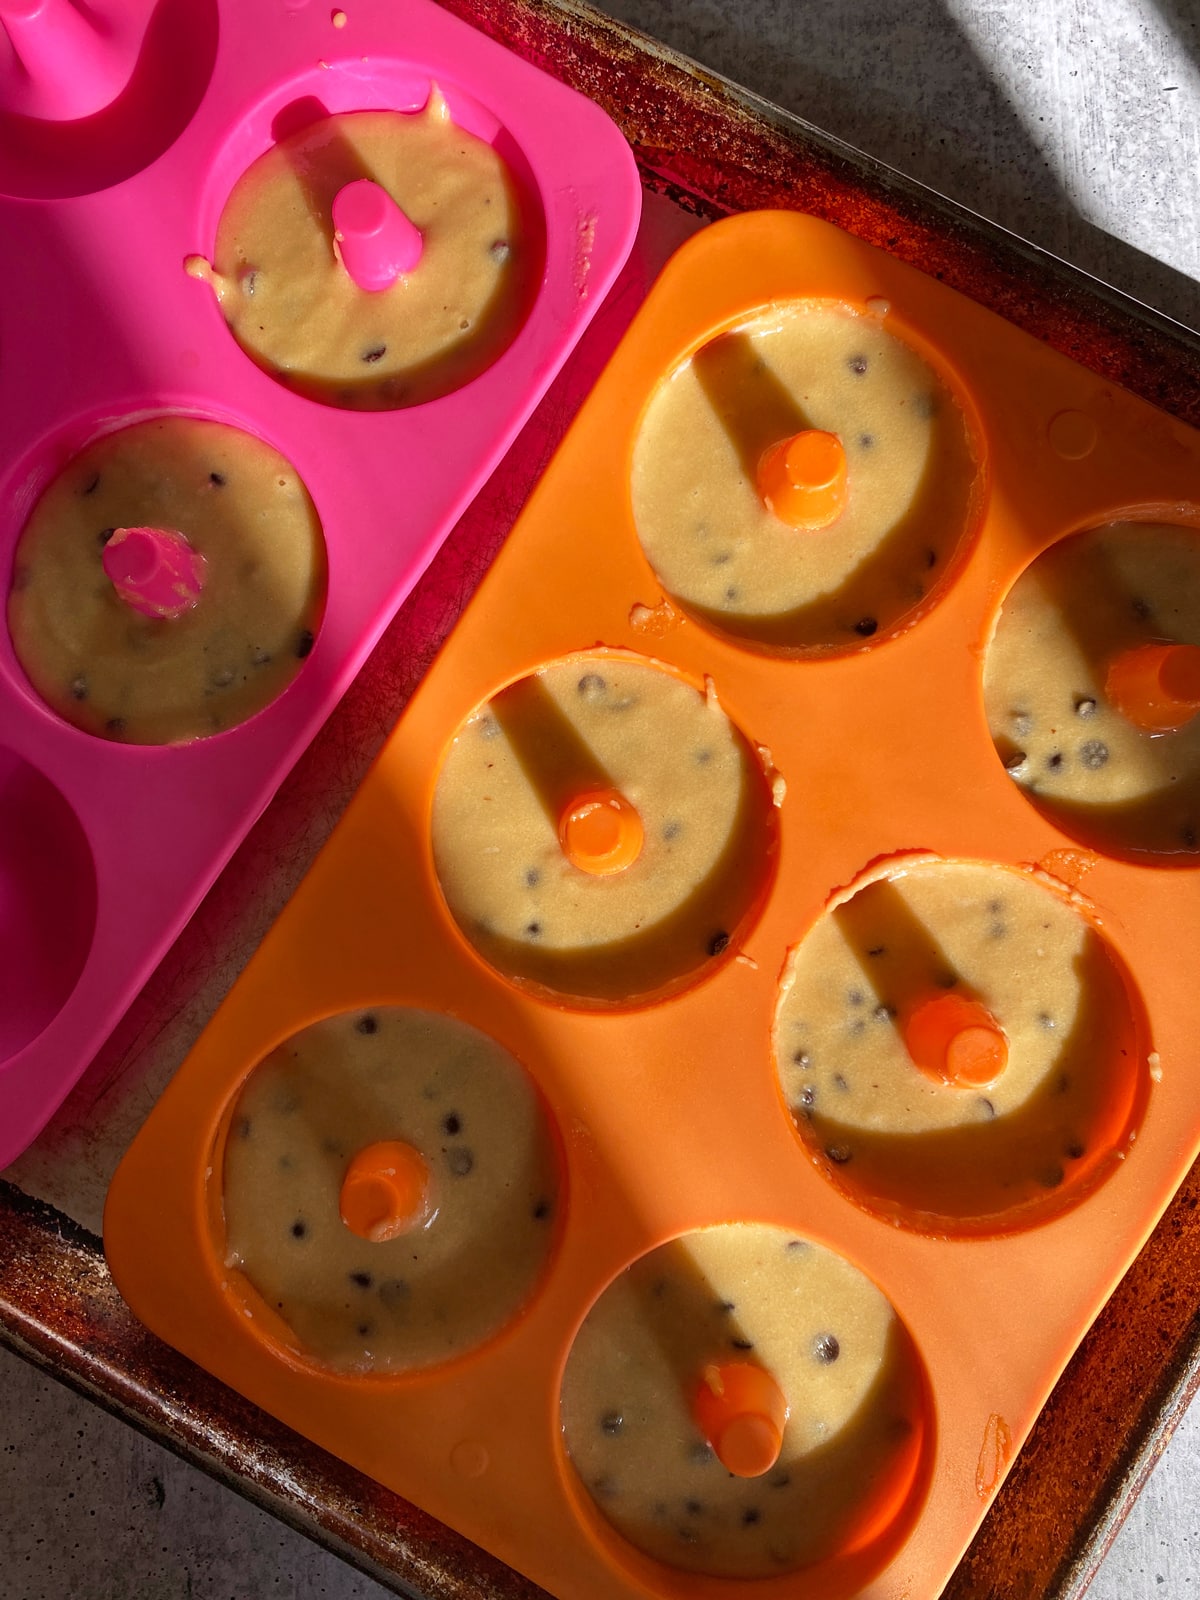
column 601, row 831
column 959, row 1048
column 390, row 1190
column 169, row 582
column 47, row 902
column 1092, row 688
column 383, row 245
column 90, row 95
column 806, row 481
column 744, row 1403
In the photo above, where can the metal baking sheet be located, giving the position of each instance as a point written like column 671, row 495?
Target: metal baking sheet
column 705, row 148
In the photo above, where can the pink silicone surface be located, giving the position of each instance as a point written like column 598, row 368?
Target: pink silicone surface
column 106, row 849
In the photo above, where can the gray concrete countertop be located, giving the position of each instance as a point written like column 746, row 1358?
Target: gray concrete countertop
column 1075, row 123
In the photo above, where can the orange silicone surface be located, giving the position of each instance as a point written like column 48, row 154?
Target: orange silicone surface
column 669, row 1115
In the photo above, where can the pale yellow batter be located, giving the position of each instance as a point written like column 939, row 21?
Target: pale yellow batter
column 295, row 309
column 111, row 671
column 831, row 1341
column 580, row 723
column 466, row 1106
column 917, row 1147
column 1077, row 606
column 911, row 479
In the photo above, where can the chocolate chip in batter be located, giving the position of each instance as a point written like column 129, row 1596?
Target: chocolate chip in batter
column 363, row 1330
column 367, row 1023
column 1014, row 761
column 718, row 943
column 931, row 557
column 452, row 1124
column 488, row 727
column 260, row 657
column 1054, row 762
column 742, row 1344
column 299, row 1228
column 532, row 877
column 866, row 441
column 541, row 1210
column 533, row 930
column 884, row 1012
column 591, row 686
column 694, row 1508
column 732, row 592
column 105, row 534
column 375, row 353
column 986, row 1107
column 217, row 479
column 721, row 558
column 856, row 997
column 1140, row 610
column 243, row 1127
column 796, row 1246
column 672, row 829
column 1074, row 1151
column 1093, row 754
column 808, row 1097
column 1187, row 836
column 92, row 484
column 865, row 627
column 612, row 1423
column 361, row 1280
column 802, row 1059
column 839, row 1154
column 1045, row 1020
column 115, row 726
column 858, row 365
column 877, row 950
column 780, row 1480
column 825, row 1348
column 839, row 1082
column 1022, row 721
column 460, row 1161
column 79, row 688
column 221, row 679
column 304, row 644
column 1051, row 1177
column 700, row 1454
column 925, row 406
column 1085, row 706
column 702, row 757
column 604, row 1487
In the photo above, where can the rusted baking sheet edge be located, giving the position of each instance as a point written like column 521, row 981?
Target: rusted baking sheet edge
column 713, row 148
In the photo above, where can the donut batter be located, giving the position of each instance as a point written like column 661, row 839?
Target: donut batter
column 579, row 723
column 939, row 1154
column 911, row 476
column 111, row 671
column 464, row 1104
column 294, row 308
column 833, row 1344
column 1096, row 773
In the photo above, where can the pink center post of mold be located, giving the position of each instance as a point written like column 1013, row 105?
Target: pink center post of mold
column 65, row 64
column 376, row 242
column 154, row 570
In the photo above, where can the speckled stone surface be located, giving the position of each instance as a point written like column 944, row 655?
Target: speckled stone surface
column 1073, row 122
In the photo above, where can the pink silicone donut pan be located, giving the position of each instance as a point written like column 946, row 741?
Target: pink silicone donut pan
column 106, row 849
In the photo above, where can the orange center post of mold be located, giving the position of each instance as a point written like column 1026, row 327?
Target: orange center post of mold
column 601, row 832
column 955, row 1040
column 385, row 1191
column 1156, row 686
column 802, row 480
column 741, row 1411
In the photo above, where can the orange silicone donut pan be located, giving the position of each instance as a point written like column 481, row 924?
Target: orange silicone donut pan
column 669, row 1115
